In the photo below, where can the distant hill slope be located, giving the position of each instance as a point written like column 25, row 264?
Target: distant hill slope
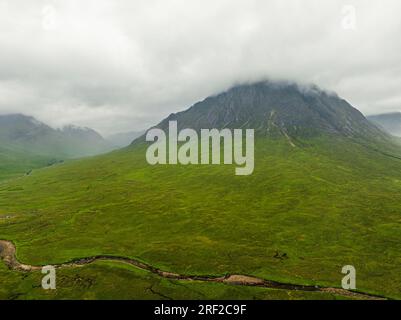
column 83, row 141
column 29, row 134
column 14, row 162
column 391, row 122
column 27, row 143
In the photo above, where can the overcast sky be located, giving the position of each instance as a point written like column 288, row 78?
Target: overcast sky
column 119, row 65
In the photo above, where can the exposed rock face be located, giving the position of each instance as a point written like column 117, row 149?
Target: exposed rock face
column 270, row 108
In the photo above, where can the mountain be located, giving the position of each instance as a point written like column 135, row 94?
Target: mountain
column 83, row 141
column 391, row 122
column 75, row 132
column 124, row 139
column 284, row 107
column 31, row 135
column 22, row 131
column 23, row 138
column 331, row 198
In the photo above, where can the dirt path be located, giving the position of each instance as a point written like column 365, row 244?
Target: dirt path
column 7, row 254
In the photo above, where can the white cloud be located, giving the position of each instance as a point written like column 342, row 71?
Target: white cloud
column 124, row 65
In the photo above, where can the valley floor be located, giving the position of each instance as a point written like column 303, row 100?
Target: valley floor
column 305, row 213
column 7, row 254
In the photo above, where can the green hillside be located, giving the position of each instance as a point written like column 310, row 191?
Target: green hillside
column 304, row 213
column 26, row 144
column 15, row 162
column 325, row 193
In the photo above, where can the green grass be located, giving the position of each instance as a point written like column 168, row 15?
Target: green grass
column 326, row 204
column 15, row 162
column 104, row 280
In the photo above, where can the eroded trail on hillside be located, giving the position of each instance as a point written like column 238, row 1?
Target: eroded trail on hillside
column 8, row 250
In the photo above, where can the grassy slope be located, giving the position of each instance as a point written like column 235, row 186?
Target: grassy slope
column 15, row 162
column 327, row 204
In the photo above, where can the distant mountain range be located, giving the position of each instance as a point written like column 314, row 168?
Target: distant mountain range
column 30, row 135
column 26, row 143
column 391, row 122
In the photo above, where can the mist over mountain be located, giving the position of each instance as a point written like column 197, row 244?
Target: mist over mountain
column 27, row 134
column 124, row 139
column 391, row 122
column 26, row 143
column 79, row 132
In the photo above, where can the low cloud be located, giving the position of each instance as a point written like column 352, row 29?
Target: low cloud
column 125, row 65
